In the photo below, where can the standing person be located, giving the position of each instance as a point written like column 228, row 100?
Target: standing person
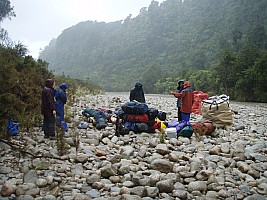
column 179, row 100
column 187, row 97
column 137, row 93
column 48, row 109
column 61, row 100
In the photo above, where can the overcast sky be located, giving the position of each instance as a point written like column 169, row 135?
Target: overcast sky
column 39, row 21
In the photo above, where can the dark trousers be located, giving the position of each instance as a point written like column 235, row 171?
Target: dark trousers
column 49, row 125
column 179, row 114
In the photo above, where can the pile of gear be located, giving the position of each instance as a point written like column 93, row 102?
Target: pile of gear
column 132, row 116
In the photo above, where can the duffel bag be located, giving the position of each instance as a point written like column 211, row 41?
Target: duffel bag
column 135, row 108
column 217, row 110
column 137, row 118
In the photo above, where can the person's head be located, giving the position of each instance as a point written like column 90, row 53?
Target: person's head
column 49, row 83
column 186, row 84
column 180, row 84
column 63, row 86
column 138, row 85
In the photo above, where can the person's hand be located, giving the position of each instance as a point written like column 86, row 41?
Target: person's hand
column 54, row 112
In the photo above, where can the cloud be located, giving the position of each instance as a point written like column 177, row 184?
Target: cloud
column 39, row 21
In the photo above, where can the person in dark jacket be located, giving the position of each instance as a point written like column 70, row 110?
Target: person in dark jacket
column 137, row 93
column 48, row 109
column 61, row 99
column 179, row 100
column 187, row 97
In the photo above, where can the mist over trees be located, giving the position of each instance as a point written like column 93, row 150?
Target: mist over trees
column 220, row 46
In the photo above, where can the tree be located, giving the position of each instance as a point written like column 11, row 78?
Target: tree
column 6, row 11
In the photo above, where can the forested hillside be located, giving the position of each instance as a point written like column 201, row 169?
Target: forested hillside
column 220, row 46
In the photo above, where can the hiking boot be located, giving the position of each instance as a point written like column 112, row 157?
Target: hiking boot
column 46, row 136
column 52, row 137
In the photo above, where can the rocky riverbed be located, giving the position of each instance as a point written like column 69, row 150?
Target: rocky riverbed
column 99, row 165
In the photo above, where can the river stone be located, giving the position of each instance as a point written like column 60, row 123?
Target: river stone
column 138, row 190
column 152, row 192
column 30, row 177
column 92, row 178
column 41, row 182
column 165, row 186
column 131, row 197
column 82, row 158
column 162, row 165
column 256, row 197
column 8, row 189
column 162, row 149
column 49, row 197
column 93, row 193
column 197, row 186
column 33, row 192
column 26, row 197
column 5, row 170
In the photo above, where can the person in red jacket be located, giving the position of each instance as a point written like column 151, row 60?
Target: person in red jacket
column 48, row 109
column 187, row 97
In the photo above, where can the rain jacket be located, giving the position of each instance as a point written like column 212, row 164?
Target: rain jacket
column 137, row 93
column 187, row 97
column 48, row 103
column 61, row 99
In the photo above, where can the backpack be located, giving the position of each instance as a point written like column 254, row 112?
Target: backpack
column 88, row 112
column 12, row 127
column 187, row 131
column 100, row 120
column 134, row 108
column 162, row 115
column 141, row 127
column 203, row 128
column 152, row 113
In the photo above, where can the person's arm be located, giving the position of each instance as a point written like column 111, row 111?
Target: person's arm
column 143, row 96
column 131, row 95
column 178, row 95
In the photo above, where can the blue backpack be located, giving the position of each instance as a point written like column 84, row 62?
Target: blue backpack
column 12, row 127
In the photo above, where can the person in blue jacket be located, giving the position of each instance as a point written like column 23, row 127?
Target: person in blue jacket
column 137, row 93
column 61, row 99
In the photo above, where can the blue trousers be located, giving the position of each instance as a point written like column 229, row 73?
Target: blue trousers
column 185, row 116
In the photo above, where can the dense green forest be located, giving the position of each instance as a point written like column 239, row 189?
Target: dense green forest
column 220, row 46
column 22, row 79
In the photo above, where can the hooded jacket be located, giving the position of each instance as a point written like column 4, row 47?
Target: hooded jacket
column 137, row 93
column 48, row 102
column 61, row 99
column 187, row 97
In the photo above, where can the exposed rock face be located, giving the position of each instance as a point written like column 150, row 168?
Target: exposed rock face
column 232, row 165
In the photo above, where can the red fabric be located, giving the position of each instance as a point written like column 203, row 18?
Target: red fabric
column 203, row 127
column 137, row 118
column 198, row 97
column 187, row 97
